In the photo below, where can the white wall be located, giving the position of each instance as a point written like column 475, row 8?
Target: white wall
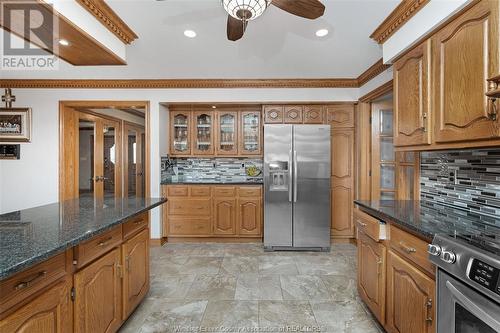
column 376, row 82
column 33, row 180
column 424, row 21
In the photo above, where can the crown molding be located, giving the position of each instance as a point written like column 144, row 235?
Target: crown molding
column 179, row 83
column 378, row 92
column 396, row 19
column 107, row 16
column 372, row 72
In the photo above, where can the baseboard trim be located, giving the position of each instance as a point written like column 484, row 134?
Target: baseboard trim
column 214, row 240
column 155, row 242
column 343, row 241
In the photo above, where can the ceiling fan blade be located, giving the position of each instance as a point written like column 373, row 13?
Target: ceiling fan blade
column 235, row 28
column 310, row 9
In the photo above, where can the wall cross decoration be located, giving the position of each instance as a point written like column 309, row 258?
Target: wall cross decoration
column 8, row 98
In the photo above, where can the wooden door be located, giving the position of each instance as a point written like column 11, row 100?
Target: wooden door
column 293, row 114
column 224, row 216
column 371, row 274
column 227, row 133
column 383, row 157
column 313, row 114
column 466, row 54
column 412, row 118
column 203, row 133
column 340, row 116
column 133, row 160
column 50, row 312
column 342, row 196
column 99, row 156
column 250, row 142
column 180, row 136
column 136, row 276
column 249, row 216
column 410, row 298
column 98, row 295
column 273, row 114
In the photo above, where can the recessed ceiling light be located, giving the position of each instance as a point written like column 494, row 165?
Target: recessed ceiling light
column 63, row 42
column 189, row 33
column 322, row 32
column 214, row 107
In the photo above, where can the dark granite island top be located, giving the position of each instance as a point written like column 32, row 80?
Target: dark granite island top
column 33, row 235
column 426, row 219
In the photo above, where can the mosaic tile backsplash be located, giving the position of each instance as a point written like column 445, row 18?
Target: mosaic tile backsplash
column 210, row 169
column 468, row 179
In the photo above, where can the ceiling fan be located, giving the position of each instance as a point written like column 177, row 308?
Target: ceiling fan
column 242, row 11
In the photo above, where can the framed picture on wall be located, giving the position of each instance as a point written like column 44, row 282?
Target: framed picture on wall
column 15, row 124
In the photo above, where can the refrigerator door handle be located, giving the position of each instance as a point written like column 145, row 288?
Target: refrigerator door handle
column 295, row 172
column 290, row 175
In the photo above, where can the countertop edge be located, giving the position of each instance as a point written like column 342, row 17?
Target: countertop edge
column 209, row 183
column 391, row 220
column 21, row 266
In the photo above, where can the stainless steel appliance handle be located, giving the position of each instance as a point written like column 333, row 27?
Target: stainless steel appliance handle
column 295, row 172
column 290, row 175
column 473, row 307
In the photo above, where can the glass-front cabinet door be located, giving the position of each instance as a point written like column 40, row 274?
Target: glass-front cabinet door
column 227, row 133
column 180, row 138
column 203, row 133
column 250, row 133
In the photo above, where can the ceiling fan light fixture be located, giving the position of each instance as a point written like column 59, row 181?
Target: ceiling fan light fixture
column 245, row 10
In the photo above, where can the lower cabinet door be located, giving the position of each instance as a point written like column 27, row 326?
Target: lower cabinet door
column 249, row 217
column 371, row 274
column 98, row 295
column 224, row 216
column 136, row 276
column 48, row 313
column 410, row 298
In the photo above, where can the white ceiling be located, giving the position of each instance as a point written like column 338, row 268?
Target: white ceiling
column 276, row 45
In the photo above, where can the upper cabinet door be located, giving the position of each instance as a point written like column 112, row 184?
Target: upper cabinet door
column 412, row 119
column 273, row 114
column 313, row 114
column 293, row 114
column 227, row 133
column 250, row 133
column 180, row 137
column 203, row 133
column 466, row 54
column 340, row 116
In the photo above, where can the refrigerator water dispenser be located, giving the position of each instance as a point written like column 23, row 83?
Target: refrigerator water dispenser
column 278, row 174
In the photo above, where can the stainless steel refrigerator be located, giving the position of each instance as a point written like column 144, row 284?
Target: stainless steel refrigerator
column 297, row 187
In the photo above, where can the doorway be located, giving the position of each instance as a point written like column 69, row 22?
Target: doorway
column 103, row 149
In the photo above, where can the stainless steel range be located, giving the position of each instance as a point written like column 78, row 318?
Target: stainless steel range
column 468, row 282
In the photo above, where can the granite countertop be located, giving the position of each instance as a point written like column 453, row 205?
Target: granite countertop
column 425, row 219
column 32, row 235
column 224, row 181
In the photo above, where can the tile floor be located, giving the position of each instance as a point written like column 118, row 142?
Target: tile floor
column 240, row 288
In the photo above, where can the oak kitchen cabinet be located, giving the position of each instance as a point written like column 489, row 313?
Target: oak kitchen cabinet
column 395, row 278
column 92, row 287
column 459, row 60
column 227, row 130
column 201, row 211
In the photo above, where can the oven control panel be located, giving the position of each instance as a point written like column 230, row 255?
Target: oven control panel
column 486, row 275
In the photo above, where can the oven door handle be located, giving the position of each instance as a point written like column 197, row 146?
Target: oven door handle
column 474, row 308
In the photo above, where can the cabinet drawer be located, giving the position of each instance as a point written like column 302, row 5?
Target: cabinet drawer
column 369, row 225
column 95, row 247
column 199, row 191
column 411, row 248
column 24, row 284
column 194, row 207
column 177, row 191
column 189, row 226
column 226, row 191
column 250, row 191
column 133, row 226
